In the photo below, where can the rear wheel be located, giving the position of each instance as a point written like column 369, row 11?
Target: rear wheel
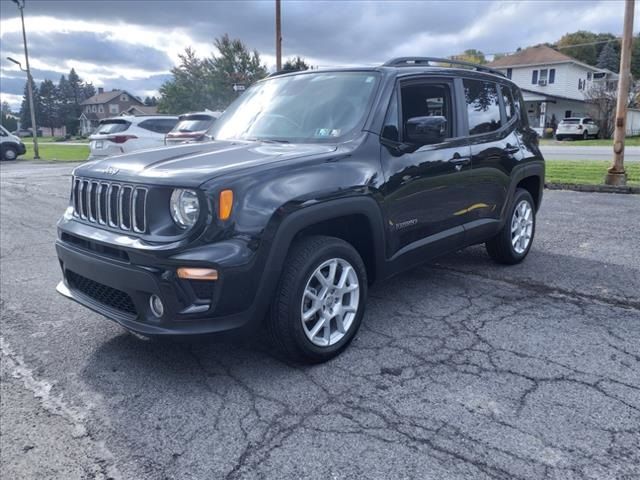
column 585, row 135
column 320, row 300
column 514, row 241
column 9, row 153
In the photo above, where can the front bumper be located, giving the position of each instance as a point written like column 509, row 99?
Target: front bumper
column 22, row 148
column 120, row 289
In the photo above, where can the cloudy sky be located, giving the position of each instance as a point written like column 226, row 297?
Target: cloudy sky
column 134, row 44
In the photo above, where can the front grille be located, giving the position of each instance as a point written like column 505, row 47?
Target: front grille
column 108, row 296
column 109, row 203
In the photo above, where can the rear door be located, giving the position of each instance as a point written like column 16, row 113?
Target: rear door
column 495, row 151
column 424, row 187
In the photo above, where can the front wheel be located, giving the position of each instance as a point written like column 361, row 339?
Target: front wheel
column 9, row 153
column 514, row 241
column 320, row 299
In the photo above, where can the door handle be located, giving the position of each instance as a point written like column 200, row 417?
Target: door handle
column 510, row 149
column 458, row 160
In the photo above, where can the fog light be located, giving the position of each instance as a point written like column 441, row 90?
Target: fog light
column 156, row 305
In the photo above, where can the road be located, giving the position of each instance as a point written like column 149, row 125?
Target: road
column 462, row 369
column 571, row 152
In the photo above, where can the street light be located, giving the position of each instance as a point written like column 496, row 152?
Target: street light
column 36, row 150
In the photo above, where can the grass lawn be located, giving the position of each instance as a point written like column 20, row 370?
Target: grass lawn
column 629, row 142
column 586, row 172
column 58, row 152
column 53, row 140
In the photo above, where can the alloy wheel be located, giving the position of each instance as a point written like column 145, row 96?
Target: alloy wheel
column 522, row 227
column 330, row 302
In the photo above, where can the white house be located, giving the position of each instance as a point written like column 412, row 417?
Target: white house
column 553, row 84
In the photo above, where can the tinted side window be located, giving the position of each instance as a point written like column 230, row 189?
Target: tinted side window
column 509, row 106
column 158, row 125
column 483, row 108
column 427, row 100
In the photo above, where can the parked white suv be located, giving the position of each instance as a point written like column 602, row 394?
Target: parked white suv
column 577, row 127
column 118, row 135
column 10, row 145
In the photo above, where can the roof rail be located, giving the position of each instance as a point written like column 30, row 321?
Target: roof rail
column 427, row 61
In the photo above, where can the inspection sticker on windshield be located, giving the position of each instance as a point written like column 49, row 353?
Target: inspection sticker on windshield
column 327, row 132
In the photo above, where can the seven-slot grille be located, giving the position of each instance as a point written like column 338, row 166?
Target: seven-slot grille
column 111, row 204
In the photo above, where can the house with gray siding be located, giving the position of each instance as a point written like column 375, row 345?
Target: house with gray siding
column 554, row 85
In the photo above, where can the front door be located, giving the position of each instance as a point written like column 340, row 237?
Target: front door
column 424, row 187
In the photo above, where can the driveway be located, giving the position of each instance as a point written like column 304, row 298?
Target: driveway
column 462, row 369
column 576, row 152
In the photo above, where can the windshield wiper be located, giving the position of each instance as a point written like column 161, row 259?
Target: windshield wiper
column 267, row 140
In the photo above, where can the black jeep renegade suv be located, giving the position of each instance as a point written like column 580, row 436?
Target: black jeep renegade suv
column 315, row 185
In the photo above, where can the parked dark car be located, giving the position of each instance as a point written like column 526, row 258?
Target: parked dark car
column 318, row 184
column 192, row 127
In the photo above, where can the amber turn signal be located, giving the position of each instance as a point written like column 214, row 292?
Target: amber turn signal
column 225, row 203
column 190, row 273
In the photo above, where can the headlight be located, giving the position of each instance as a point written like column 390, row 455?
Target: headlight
column 185, row 207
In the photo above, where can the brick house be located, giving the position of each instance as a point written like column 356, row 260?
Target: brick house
column 105, row 105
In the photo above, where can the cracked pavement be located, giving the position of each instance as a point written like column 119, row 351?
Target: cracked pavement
column 463, row 369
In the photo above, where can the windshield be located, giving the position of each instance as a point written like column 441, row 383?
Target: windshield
column 193, row 124
column 306, row 107
column 112, row 126
column 571, row 121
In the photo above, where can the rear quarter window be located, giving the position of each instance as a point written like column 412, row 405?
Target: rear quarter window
column 483, row 106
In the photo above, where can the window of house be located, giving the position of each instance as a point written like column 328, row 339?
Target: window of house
column 552, row 75
column 114, row 108
column 427, row 100
column 543, row 75
column 87, row 109
column 580, row 84
column 509, row 105
column 124, row 98
column 483, row 107
column 534, row 77
column 567, row 113
column 509, row 72
column 94, row 109
column 588, row 75
column 100, row 109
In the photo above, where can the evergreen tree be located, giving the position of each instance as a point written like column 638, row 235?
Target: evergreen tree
column 25, row 110
column 608, row 58
column 6, row 117
column 50, row 111
column 189, row 89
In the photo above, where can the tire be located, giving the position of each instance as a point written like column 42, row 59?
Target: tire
column 585, row 135
column 559, row 138
column 504, row 247
column 299, row 282
column 9, row 153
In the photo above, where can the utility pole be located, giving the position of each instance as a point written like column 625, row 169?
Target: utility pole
column 616, row 174
column 278, row 38
column 36, row 150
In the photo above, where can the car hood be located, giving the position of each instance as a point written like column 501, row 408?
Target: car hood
column 192, row 164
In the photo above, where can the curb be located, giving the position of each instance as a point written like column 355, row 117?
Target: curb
column 593, row 188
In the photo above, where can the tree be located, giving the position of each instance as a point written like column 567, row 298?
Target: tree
column 586, row 46
column 7, row 118
column 608, row 58
column 25, row 110
column 235, row 64
column 602, row 100
column 189, row 89
column 208, row 83
column 295, row 64
column 72, row 91
column 471, row 55
column 50, row 111
column 151, row 101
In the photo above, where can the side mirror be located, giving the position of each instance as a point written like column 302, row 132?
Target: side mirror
column 426, row 130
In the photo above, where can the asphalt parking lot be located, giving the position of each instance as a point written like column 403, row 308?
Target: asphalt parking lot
column 462, row 370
